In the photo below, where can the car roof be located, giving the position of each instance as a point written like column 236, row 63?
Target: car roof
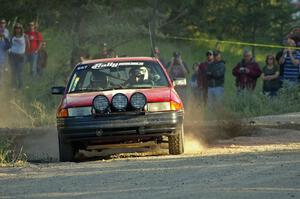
column 119, row 59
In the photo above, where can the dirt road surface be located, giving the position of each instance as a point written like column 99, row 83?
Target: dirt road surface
column 263, row 165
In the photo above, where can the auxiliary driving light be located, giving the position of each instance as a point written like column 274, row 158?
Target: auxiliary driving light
column 101, row 103
column 119, row 102
column 138, row 100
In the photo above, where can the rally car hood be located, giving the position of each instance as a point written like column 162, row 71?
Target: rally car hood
column 86, row 99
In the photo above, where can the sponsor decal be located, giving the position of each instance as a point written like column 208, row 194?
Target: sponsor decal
column 116, row 64
column 82, row 67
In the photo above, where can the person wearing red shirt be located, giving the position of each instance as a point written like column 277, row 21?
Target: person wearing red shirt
column 202, row 76
column 35, row 44
column 246, row 72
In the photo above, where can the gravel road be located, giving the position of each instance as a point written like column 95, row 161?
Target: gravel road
column 265, row 165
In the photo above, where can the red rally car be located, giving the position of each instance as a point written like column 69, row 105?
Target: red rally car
column 119, row 101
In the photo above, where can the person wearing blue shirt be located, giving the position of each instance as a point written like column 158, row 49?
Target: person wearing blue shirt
column 290, row 61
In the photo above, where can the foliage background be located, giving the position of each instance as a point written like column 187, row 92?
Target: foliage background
column 75, row 25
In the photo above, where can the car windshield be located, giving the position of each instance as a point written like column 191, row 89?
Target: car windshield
column 117, row 75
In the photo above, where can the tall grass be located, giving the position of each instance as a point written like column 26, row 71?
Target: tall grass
column 10, row 156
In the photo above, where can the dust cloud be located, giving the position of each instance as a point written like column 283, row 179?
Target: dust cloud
column 193, row 145
column 194, row 134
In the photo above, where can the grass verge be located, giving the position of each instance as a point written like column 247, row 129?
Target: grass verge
column 9, row 156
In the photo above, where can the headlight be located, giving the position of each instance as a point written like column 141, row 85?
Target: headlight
column 101, row 103
column 158, row 106
column 119, row 101
column 138, row 100
column 164, row 106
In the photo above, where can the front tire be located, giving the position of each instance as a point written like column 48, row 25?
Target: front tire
column 176, row 142
column 66, row 150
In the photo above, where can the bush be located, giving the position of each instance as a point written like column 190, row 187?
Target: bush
column 254, row 103
column 8, row 155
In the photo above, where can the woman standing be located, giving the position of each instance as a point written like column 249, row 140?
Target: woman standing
column 270, row 76
column 17, row 56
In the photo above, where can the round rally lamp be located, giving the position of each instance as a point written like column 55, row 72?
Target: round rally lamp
column 119, row 102
column 101, row 103
column 138, row 101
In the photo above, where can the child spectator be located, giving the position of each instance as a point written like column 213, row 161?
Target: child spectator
column 42, row 59
column 270, row 74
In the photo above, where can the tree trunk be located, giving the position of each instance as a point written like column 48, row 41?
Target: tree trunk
column 75, row 53
column 153, row 25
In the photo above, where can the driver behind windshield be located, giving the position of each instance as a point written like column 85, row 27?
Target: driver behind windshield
column 139, row 76
column 98, row 81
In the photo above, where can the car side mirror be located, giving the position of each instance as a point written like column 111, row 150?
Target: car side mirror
column 58, row 90
column 179, row 82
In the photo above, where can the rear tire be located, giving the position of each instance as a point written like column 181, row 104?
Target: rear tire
column 66, row 150
column 176, row 142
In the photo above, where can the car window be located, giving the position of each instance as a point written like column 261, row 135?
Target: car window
column 117, row 75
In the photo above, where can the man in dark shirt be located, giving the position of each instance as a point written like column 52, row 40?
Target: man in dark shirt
column 215, row 78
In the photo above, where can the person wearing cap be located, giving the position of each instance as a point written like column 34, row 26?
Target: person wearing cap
column 215, row 79
column 4, row 29
column 246, row 72
column 36, row 40
column 202, row 78
column 17, row 51
column 178, row 69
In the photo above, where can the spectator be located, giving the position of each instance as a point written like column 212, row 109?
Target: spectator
column 111, row 53
column 290, row 60
column 194, row 84
column 202, row 78
column 178, row 69
column 194, row 78
column 246, row 72
column 42, row 59
column 157, row 55
column 35, row 40
column 3, row 27
column 19, row 42
column 215, row 77
column 270, row 76
column 84, row 55
column 104, row 53
column 4, row 46
column 7, row 36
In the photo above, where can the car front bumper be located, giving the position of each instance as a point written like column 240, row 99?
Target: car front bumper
column 119, row 126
